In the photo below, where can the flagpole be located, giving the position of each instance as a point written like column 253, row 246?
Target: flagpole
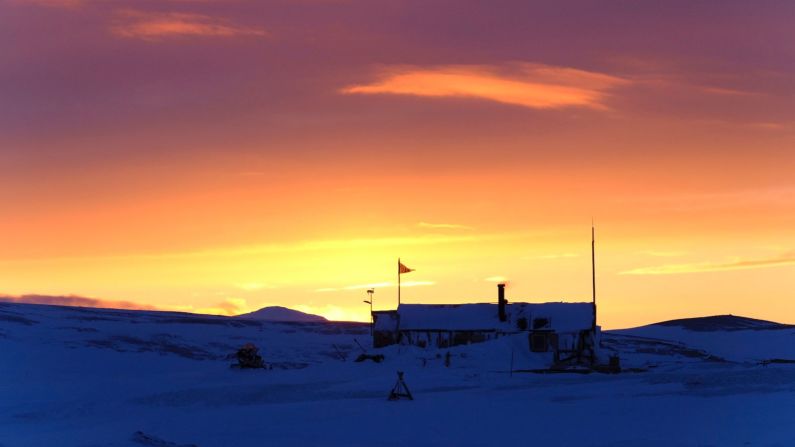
column 398, row 282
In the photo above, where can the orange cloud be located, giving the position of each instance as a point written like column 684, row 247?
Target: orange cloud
column 53, row 3
column 155, row 26
column 528, row 85
column 701, row 267
column 228, row 307
column 74, row 300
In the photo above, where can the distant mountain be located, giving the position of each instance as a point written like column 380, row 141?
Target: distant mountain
column 723, row 323
column 279, row 313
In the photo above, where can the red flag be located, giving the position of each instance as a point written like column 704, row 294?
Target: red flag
column 403, row 269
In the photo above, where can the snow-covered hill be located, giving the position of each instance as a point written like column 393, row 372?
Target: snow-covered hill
column 724, row 323
column 98, row 377
column 729, row 337
column 279, row 313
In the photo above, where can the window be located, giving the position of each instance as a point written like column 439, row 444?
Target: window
column 539, row 341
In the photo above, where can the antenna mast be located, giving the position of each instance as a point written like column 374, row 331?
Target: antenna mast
column 593, row 271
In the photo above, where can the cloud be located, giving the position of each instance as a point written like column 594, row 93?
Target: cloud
column 554, row 256
column 156, row 26
column 53, row 3
column 416, row 283
column 74, row 300
column 534, row 86
column 726, row 91
column 674, row 269
column 444, row 226
column 356, row 287
column 497, row 278
column 229, row 307
column 311, row 245
column 767, row 125
column 664, row 254
column 368, row 286
column 376, row 285
column 331, row 244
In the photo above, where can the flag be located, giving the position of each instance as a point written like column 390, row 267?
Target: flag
column 403, row 269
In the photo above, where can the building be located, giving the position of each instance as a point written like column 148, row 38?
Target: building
column 568, row 330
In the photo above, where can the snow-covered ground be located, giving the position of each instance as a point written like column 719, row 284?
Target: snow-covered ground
column 96, row 377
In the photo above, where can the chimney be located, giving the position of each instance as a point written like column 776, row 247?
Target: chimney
column 501, row 301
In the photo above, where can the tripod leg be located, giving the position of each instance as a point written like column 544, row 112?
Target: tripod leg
column 408, row 393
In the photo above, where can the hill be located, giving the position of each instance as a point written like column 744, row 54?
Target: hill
column 730, row 337
column 724, row 323
column 279, row 313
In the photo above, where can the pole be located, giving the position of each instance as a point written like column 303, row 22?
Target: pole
column 398, row 281
column 593, row 285
column 593, row 273
column 370, row 293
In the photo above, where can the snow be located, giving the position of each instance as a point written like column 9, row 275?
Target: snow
column 95, row 377
column 735, row 338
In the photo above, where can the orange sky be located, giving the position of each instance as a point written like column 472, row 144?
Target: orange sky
column 223, row 156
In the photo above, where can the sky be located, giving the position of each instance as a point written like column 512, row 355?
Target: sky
column 218, row 156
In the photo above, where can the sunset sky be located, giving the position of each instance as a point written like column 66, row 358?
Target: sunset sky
column 219, row 156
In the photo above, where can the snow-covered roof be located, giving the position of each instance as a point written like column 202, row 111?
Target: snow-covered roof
column 563, row 317
column 448, row 316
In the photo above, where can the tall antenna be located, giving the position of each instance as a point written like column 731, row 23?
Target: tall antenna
column 593, row 271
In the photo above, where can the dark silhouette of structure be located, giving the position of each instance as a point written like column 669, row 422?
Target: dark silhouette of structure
column 400, row 390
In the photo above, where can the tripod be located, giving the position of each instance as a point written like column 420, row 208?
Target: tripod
column 400, row 390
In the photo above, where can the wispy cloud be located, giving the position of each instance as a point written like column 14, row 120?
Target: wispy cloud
column 157, row 26
column 334, row 244
column 664, row 253
column 726, row 91
column 497, row 278
column 701, row 267
column 74, row 300
column 554, row 256
column 767, row 125
column 447, row 226
column 296, row 247
column 528, row 85
column 383, row 284
column 416, row 283
column 229, row 307
column 52, row 3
